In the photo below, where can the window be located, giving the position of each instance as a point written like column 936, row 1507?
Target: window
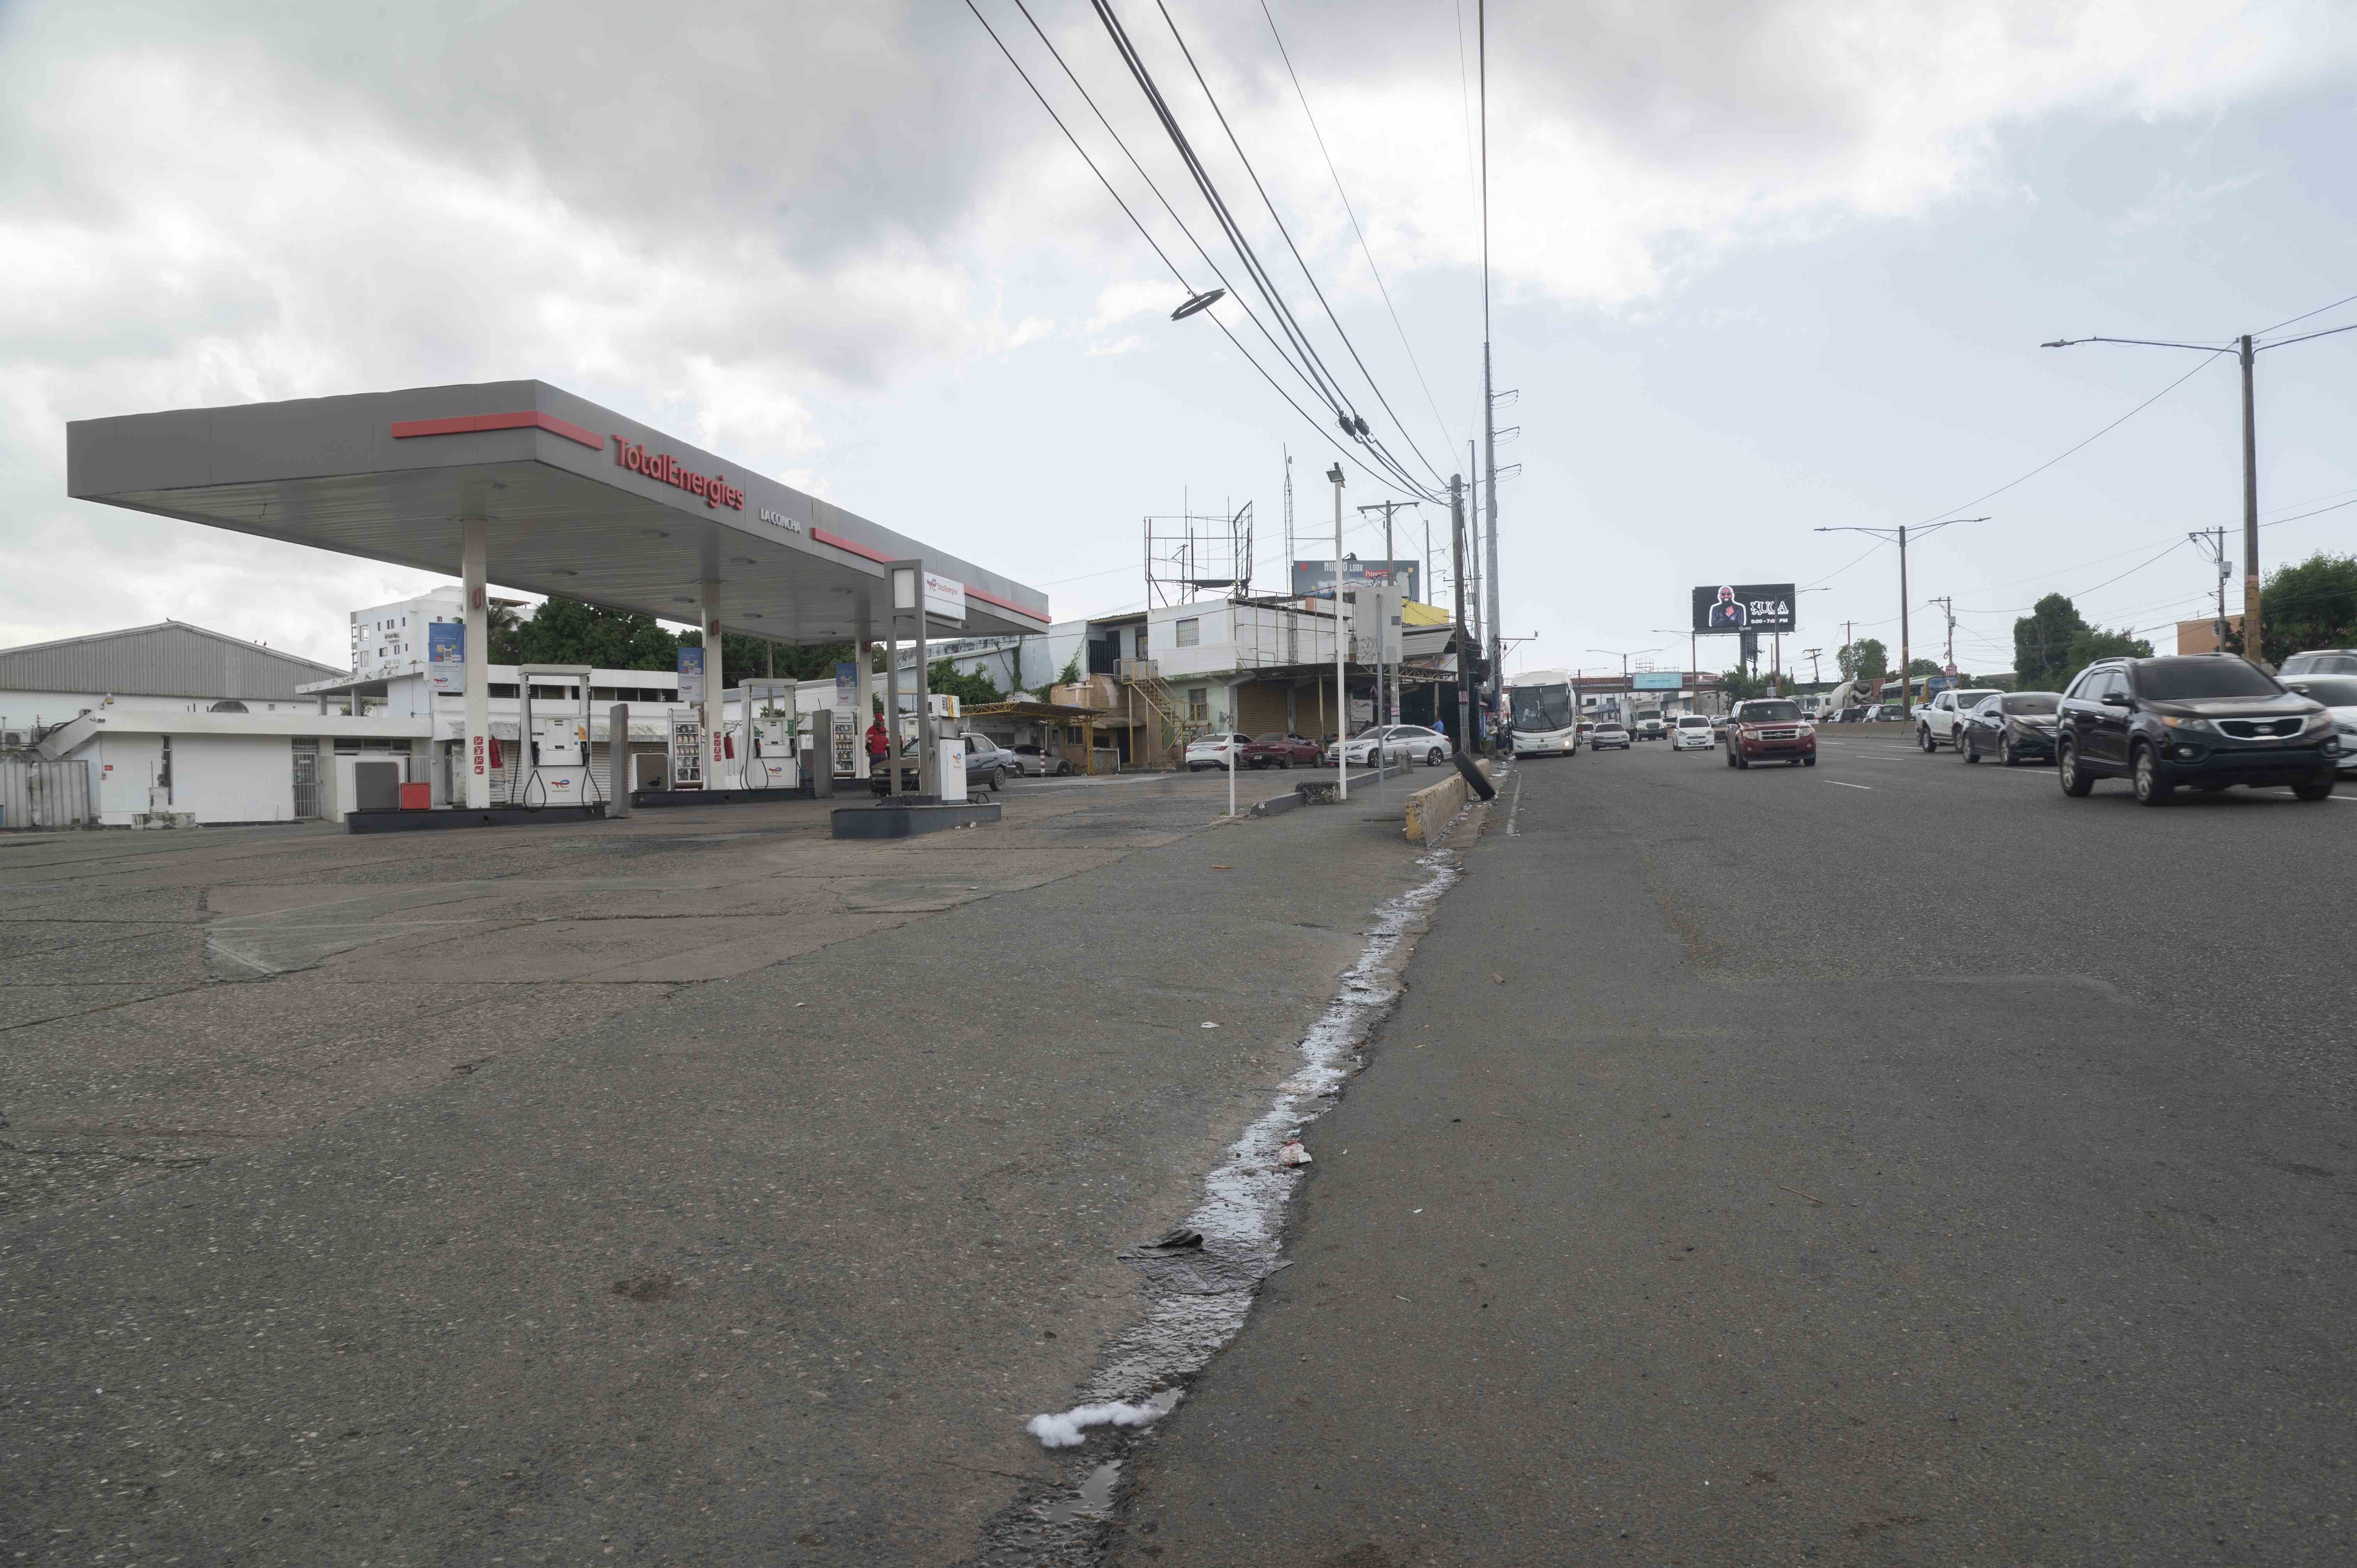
column 1189, row 633
column 227, row 706
column 2173, row 680
column 1199, row 702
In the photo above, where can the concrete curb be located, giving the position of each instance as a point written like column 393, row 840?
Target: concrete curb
column 1430, row 808
column 1276, row 805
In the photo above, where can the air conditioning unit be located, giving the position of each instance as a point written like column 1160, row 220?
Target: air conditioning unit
column 15, row 739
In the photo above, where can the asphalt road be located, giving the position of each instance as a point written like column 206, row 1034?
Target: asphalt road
column 1888, row 1162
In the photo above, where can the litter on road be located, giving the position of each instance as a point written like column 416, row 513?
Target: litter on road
column 1293, row 1153
column 1071, row 1429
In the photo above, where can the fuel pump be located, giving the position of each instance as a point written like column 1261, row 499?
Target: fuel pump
column 552, row 765
column 769, row 741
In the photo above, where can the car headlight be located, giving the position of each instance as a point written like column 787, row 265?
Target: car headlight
column 2348, row 728
column 1805, row 731
column 2174, row 722
column 2320, row 721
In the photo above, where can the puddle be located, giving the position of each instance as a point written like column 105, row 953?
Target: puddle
column 1094, row 1499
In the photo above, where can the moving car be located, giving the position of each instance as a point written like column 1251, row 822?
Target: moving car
column 1216, row 751
column 2210, row 720
column 2319, row 662
column 2012, row 726
column 1279, row 749
column 1040, row 763
column 1693, row 733
column 1649, row 724
column 1770, row 729
column 2338, row 694
column 1605, row 736
column 1935, row 721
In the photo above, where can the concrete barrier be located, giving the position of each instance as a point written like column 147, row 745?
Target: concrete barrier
column 1430, row 809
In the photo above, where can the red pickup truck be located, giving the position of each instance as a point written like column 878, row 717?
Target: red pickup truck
column 1277, row 750
column 1770, row 729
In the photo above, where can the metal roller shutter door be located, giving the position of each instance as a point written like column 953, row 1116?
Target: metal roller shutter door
column 1260, row 707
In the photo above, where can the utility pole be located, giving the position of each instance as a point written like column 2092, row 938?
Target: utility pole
column 1816, row 671
column 1342, row 651
column 1948, row 604
column 1489, row 391
column 1457, row 573
column 1384, row 714
column 2246, row 348
column 1906, row 654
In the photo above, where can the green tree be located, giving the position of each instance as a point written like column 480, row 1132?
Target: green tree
column 1071, row 675
column 1864, row 659
column 2042, row 644
column 1920, row 667
column 566, row 632
column 2094, row 643
column 746, row 657
column 2311, row 605
column 945, row 678
column 499, row 624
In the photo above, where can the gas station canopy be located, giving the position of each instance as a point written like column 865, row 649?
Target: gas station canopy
column 575, row 500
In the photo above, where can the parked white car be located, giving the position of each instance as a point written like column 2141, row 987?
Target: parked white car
column 1692, row 731
column 1216, row 751
column 1402, row 745
column 1935, row 721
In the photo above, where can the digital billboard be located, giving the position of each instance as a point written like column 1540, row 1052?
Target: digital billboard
column 1315, row 579
column 1743, row 606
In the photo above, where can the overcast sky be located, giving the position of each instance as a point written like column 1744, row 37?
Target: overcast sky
column 1757, row 269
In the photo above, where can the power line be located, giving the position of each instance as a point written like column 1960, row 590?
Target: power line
column 2318, row 311
column 1364, row 248
column 1142, row 229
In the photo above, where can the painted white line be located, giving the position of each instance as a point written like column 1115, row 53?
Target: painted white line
column 1839, row 784
column 1514, row 817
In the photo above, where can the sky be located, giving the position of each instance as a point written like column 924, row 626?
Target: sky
column 1755, row 271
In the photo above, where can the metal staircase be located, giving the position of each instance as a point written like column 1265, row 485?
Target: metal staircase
column 1167, row 708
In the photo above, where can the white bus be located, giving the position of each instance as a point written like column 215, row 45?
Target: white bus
column 1545, row 718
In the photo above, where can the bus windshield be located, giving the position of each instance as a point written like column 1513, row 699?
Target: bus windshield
column 1539, row 709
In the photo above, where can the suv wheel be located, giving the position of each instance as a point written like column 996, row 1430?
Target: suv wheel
column 1924, row 738
column 2322, row 790
column 2152, row 787
column 1730, row 757
column 2074, row 780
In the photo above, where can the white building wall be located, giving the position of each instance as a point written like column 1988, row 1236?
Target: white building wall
column 124, row 767
column 28, row 710
column 233, row 778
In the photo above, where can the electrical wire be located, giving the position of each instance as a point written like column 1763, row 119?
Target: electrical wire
column 1364, row 249
column 1147, row 234
column 1262, row 280
column 2318, row 311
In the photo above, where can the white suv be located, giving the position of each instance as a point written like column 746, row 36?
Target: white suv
column 1935, row 721
column 1692, row 731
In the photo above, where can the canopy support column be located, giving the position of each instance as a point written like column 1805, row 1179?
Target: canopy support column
column 475, row 759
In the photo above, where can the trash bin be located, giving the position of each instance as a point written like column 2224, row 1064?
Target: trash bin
column 416, row 797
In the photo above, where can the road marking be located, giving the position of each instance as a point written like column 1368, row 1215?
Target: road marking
column 1839, row 784
column 1514, row 817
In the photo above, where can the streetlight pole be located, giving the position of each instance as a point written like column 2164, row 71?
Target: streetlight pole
column 1457, row 575
column 1341, row 648
column 1625, row 690
column 2246, row 348
column 1906, row 681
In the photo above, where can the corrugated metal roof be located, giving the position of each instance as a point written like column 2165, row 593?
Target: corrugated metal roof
column 167, row 659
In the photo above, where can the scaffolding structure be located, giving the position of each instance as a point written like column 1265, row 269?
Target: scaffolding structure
column 1191, row 555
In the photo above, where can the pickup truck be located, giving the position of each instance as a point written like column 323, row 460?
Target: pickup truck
column 1935, row 721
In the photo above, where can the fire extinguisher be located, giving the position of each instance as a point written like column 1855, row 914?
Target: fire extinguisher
column 495, row 752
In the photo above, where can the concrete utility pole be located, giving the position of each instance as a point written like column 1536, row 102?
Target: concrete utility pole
column 2246, row 348
column 1457, row 573
column 1906, row 681
column 1489, row 391
column 1947, row 604
column 2214, row 544
column 1341, row 651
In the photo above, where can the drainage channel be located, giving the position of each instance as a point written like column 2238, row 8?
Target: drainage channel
column 1200, row 1279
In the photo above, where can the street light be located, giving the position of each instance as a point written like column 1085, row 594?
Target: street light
column 1342, row 689
column 1203, row 301
column 2245, row 350
column 1625, row 690
column 1906, row 681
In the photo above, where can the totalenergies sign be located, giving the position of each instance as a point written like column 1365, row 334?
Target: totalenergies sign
column 662, row 466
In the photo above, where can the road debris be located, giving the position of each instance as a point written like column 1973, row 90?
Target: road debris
column 1293, row 1153
column 1812, row 1196
column 1071, row 1429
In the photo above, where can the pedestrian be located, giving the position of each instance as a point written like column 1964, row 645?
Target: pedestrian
column 1440, row 728
column 879, row 743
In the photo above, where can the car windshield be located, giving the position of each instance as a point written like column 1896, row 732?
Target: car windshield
column 2325, row 663
column 1542, row 708
column 2332, row 691
column 1609, row 723
column 2032, row 702
column 1269, row 739
column 2175, row 679
column 1771, row 713
column 1690, row 722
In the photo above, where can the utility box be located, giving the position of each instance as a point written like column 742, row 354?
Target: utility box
column 416, row 797
column 950, row 769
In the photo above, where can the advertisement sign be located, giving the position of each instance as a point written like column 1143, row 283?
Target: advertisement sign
column 1315, row 579
column 944, row 597
column 1656, row 680
column 846, row 688
column 1743, row 606
column 446, row 656
column 691, row 674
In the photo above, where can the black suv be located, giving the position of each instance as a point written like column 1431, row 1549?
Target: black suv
column 2210, row 720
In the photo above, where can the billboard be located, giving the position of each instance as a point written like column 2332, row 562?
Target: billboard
column 1315, row 579
column 446, row 656
column 1743, row 606
column 1656, row 680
